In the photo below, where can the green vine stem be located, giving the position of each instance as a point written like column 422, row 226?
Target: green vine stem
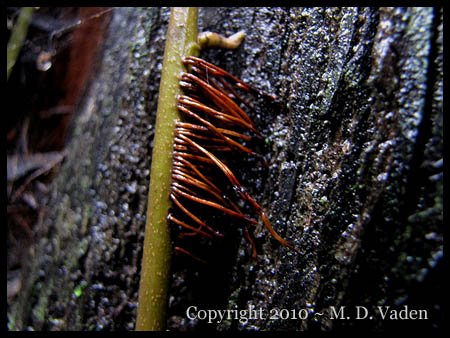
column 155, row 271
column 18, row 34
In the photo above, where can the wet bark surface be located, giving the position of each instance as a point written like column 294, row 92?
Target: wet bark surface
column 354, row 145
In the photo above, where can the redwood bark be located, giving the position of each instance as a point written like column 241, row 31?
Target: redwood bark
column 355, row 150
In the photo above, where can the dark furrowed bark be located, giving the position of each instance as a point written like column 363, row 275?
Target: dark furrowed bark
column 354, row 143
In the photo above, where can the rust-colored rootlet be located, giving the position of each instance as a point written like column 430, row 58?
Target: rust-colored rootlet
column 214, row 127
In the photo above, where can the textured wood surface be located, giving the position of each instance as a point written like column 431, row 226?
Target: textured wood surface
column 355, row 146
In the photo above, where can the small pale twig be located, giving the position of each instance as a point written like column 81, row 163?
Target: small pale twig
column 216, row 40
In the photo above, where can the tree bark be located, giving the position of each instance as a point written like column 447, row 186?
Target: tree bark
column 355, row 174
